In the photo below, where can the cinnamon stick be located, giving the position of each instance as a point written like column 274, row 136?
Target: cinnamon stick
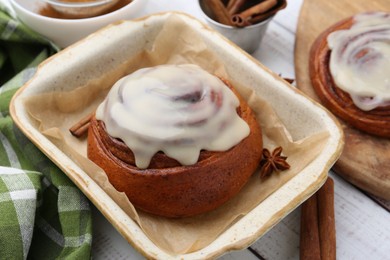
column 219, row 11
column 261, row 17
column 309, row 238
column 289, row 80
column 234, row 6
column 318, row 232
column 260, row 8
column 230, row 3
column 81, row 127
column 238, row 21
column 326, row 220
column 243, row 18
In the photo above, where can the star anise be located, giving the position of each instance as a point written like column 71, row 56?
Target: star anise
column 273, row 162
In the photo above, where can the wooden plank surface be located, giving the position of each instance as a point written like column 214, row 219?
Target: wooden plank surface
column 362, row 229
column 365, row 160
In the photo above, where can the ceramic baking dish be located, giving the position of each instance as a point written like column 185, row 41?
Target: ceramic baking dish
column 123, row 40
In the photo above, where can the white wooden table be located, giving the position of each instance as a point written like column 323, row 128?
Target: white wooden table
column 362, row 225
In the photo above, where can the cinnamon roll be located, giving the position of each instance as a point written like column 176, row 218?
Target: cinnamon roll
column 350, row 71
column 175, row 139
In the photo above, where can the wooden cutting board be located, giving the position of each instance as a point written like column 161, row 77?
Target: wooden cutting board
column 365, row 161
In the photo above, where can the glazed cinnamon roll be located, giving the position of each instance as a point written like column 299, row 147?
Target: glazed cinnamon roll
column 350, row 71
column 175, row 139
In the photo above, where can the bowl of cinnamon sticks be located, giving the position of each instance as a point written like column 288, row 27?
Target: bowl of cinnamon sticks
column 244, row 22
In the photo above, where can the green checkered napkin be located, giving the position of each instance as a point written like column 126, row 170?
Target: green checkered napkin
column 42, row 213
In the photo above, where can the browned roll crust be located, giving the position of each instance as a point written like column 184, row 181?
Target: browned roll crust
column 375, row 122
column 168, row 189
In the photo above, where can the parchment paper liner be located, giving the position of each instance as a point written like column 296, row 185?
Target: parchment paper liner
column 56, row 112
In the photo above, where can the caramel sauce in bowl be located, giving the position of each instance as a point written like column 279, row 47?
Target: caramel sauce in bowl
column 80, row 8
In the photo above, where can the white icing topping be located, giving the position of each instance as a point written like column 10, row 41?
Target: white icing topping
column 360, row 60
column 176, row 109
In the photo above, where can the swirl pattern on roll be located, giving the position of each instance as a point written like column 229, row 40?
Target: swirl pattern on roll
column 351, row 102
column 360, row 60
column 177, row 109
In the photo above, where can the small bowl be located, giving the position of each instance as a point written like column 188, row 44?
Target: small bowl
column 248, row 37
column 65, row 32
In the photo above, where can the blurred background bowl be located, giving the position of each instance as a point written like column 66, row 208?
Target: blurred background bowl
column 65, row 32
column 248, row 37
